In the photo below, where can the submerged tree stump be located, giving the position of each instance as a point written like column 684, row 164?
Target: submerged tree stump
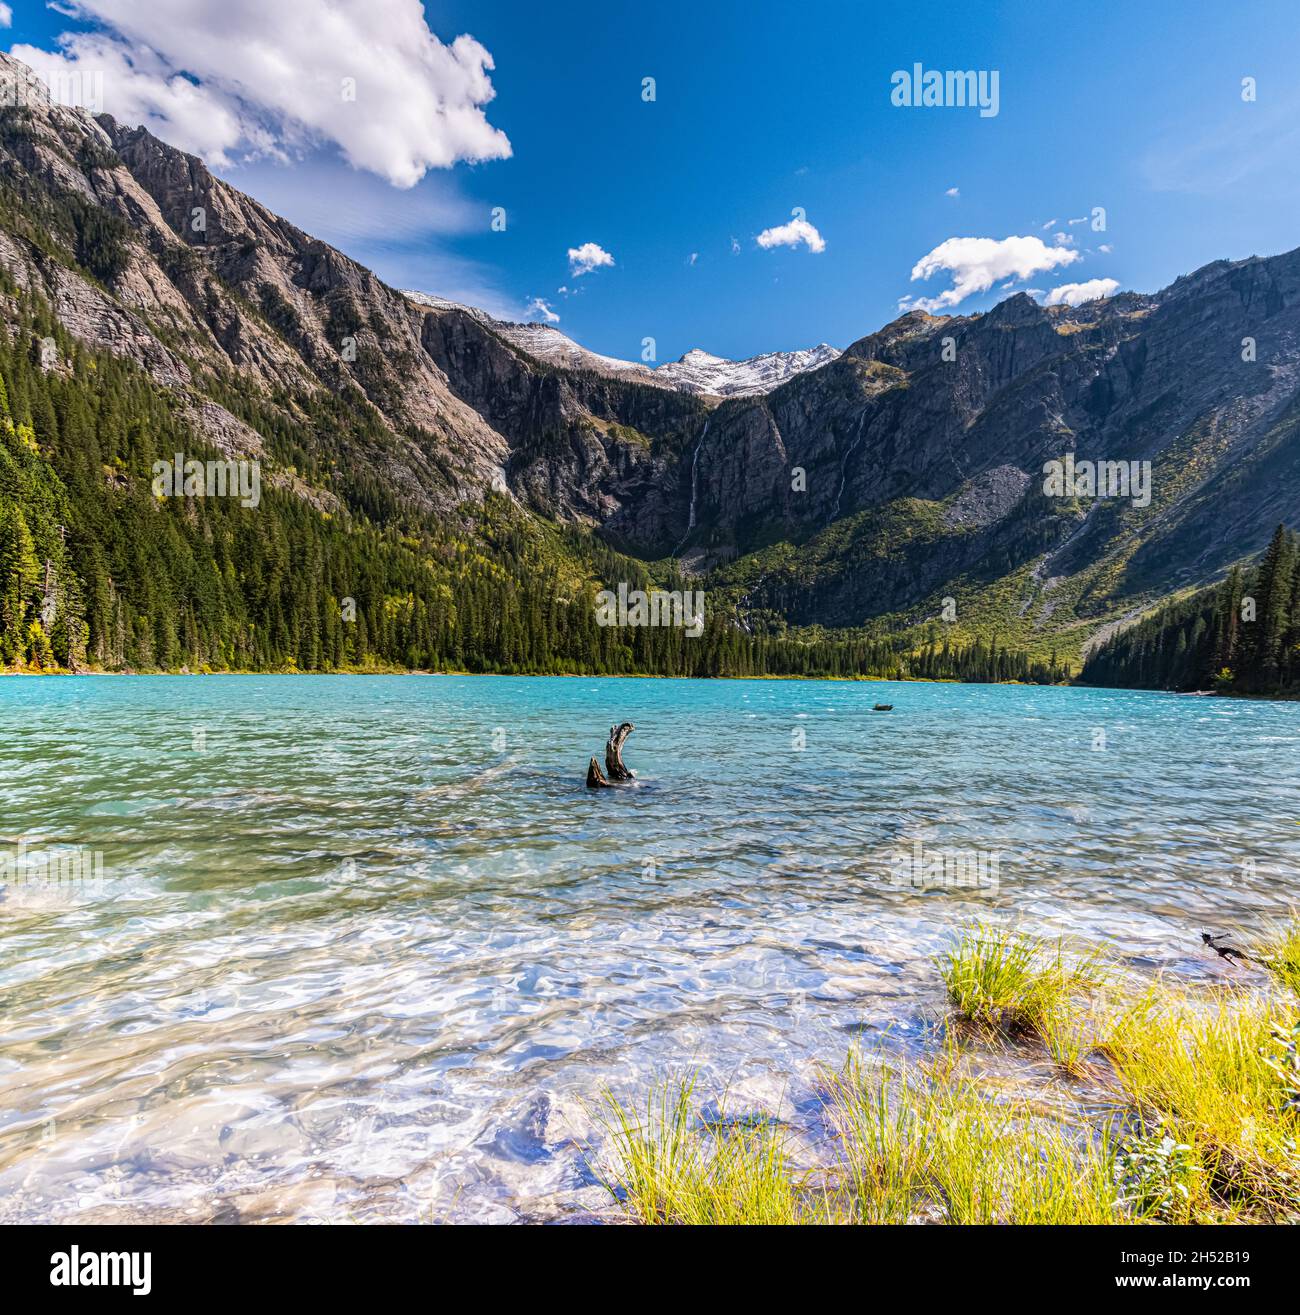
column 614, row 752
column 614, row 764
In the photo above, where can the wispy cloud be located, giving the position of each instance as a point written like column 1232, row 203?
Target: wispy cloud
column 1251, row 141
column 403, row 236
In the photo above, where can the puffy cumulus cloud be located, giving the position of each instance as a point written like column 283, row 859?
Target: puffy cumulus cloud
column 589, row 256
column 977, row 263
column 237, row 79
column 1075, row 294
column 537, row 309
column 790, row 235
column 6, row 16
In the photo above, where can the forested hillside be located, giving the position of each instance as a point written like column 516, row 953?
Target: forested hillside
column 1241, row 637
column 96, row 571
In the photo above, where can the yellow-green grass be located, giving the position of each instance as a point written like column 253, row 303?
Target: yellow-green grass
column 910, row 1148
column 1005, row 977
column 1278, row 949
column 936, row 1148
column 1203, row 1123
column 668, row 1171
column 1211, row 1069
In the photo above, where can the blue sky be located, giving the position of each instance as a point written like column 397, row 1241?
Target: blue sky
column 759, row 108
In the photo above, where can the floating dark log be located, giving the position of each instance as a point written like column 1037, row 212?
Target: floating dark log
column 614, row 752
column 883, row 707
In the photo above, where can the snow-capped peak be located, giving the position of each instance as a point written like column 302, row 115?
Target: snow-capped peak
column 700, row 372
column 697, row 372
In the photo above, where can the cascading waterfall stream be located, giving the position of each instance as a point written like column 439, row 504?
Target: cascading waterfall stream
column 844, row 466
column 695, row 464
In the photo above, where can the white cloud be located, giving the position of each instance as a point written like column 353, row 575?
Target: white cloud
column 693, row 257
column 1075, row 294
column 1051, row 223
column 236, row 79
column 589, row 256
column 1083, row 219
column 537, row 309
column 6, row 16
column 349, row 209
column 976, row 263
column 1063, row 239
column 735, row 247
column 791, row 234
column 1106, row 247
column 953, row 191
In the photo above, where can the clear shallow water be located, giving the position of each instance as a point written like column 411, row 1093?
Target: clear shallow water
column 365, row 948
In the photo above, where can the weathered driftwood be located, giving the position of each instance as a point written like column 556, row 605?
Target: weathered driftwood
column 614, row 752
column 883, row 707
column 614, row 764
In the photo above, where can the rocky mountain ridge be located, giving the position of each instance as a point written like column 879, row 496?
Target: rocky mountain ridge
column 696, row 372
column 870, row 484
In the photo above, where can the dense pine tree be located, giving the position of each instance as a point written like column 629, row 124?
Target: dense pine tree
column 1243, row 635
column 98, row 571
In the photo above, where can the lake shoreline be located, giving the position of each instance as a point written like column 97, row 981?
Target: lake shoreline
column 636, row 675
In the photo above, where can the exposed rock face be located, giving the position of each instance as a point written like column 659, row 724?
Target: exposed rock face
column 912, row 460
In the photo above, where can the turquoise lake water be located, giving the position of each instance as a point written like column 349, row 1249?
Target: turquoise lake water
column 366, row 948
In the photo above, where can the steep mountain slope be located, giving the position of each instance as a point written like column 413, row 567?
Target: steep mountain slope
column 923, row 468
column 546, row 344
column 858, row 492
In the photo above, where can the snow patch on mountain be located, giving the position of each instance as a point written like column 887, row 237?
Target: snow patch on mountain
column 696, row 372
column 700, row 372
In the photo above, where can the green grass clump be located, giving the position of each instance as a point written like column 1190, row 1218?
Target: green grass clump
column 991, row 973
column 1279, row 951
column 1004, row 977
column 668, row 1171
column 938, row 1149
column 910, row 1148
